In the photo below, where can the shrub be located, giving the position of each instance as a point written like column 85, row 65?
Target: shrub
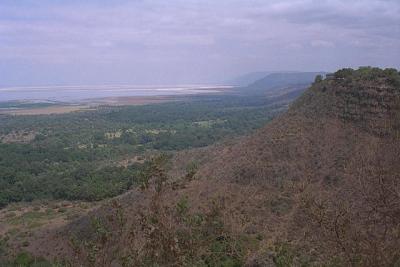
column 318, row 78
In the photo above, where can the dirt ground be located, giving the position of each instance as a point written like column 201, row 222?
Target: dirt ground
column 90, row 105
column 45, row 110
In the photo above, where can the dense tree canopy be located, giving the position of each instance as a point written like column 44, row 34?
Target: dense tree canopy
column 78, row 155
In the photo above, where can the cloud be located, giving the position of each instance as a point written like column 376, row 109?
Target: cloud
column 322, row 43
column 192, row 40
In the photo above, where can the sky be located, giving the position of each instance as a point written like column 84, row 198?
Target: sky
column 75, row 42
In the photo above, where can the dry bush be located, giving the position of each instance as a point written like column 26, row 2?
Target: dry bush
column 164, row 231
column 358, row 221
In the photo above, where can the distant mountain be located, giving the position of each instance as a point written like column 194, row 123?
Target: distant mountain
column 276, row 77
column 274, row 82
column 247, row 79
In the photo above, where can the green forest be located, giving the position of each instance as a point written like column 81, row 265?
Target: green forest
column 78, row 155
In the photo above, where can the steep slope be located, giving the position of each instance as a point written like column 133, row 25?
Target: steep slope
column 320, row 185
column 335, row 157
column 337, row 110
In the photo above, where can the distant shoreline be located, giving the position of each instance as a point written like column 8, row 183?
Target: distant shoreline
column 46, row 106
column 76, row 94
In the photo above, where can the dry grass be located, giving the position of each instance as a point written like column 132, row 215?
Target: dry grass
column 91, row 105
column 22, row 223
column 46, row 110
column 18, row 137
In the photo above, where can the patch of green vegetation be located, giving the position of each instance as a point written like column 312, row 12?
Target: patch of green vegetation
column 76, row 156
column 284, row 256
column 13, row 232
column 26, row 217
column 31, row 219
column 19, row 105
column 24, row 259
column 209, row 123
column 369, row 74
column 3, row 246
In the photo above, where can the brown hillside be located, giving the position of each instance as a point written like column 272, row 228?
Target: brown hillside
column 319, row 133
column 320, row 185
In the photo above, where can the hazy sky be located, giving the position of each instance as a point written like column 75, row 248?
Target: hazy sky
column 46, row 42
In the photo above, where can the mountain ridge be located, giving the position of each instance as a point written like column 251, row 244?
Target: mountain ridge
column 277, row 83
column 302, row 190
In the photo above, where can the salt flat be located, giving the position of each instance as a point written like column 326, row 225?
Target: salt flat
column 83, row 92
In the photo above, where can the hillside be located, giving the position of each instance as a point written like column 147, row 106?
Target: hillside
column 319, row 185
column 336, row 106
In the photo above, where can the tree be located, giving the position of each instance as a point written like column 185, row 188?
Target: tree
column 318, row 79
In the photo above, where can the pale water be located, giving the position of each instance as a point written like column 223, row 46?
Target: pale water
column 79, row 93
